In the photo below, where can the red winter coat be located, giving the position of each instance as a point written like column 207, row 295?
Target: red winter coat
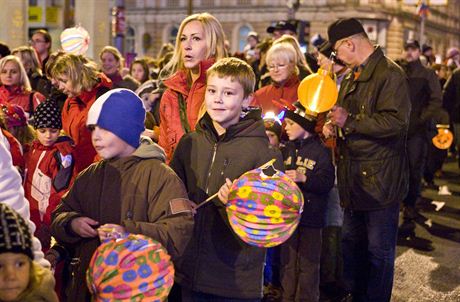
column 16, row 96
column 34, row 187
column 74, row 114
column 288, row 92
column 170, row 126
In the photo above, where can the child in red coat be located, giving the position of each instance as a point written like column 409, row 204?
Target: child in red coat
column 49, row 168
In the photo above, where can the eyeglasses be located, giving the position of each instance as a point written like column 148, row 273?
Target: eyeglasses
column 336, row 48
column 277, row 66
column 32, row 42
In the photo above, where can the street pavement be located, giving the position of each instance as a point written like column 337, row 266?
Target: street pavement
column 428, row 253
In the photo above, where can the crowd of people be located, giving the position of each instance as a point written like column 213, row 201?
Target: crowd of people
column 99, row 152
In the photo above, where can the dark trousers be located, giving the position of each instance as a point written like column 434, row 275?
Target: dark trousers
column 416, row 153
column 300, row 260
column 182, row 294
column 369, row 244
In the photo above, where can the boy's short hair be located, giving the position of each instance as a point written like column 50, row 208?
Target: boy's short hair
column 121, row 112
column 238, row 70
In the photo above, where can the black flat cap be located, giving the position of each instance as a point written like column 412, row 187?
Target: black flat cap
column 282, row 25
column 344, row 28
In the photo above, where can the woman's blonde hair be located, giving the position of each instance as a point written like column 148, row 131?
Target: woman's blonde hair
column 23, row 78
column 301, row 61
column 116, row 54
column 82, row 72
column 283, row 51
column 215, row 38
column 29, row 58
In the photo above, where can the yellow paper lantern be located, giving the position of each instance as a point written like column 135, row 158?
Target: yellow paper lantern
column 318, row 92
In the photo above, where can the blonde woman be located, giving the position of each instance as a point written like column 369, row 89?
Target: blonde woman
column 199, row 43
column 15, row 86
column 79, row 78
column 112, row 63
column 283, row 70
column 304, row 69
column 31, row 64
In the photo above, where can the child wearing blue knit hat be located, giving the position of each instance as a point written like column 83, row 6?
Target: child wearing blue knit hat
column 129, row 190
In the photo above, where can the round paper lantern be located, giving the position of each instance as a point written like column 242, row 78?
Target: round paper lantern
column 318, row 92
column 264, row 210
column 443, row 140
column 133, row 268
column 75, row 40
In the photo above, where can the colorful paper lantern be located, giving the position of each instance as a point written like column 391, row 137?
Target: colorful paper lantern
column 318, row 92
column 264, row 210
column 75, row 40
column 132, row 268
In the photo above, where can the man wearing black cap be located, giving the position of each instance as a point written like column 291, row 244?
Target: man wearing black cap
column 282, row 28
column 425, row 97
column 372, row 118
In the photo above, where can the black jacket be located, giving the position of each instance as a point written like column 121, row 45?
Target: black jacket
column 216, row 261
column 451, row 98
column 425, row 96
column 310, row 157
column 372, row 166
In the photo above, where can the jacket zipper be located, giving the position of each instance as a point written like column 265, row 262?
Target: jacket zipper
column 210, row 167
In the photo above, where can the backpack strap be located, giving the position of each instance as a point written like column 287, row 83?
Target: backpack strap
column 183, row 113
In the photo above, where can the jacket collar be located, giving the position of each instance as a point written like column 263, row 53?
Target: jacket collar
column 250, row 124
column 179, row 80
column 369, row 66
column 87, row 96
column 291, row 81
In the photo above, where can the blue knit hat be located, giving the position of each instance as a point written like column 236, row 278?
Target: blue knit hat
column 121, row 112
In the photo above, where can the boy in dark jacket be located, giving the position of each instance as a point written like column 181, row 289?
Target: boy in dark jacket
column 308, row 162
column 130, row 190
column 229, row 141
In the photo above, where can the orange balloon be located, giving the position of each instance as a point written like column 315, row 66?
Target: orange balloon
column 443, row 140
column 318, row 92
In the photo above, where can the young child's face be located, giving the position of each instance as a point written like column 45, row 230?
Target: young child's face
column 224, row 100
column 137, row 72
column 14, row 275
column 272, row 138
column 47, row 136
column 294, row 131
column 108, row 145
column 10, row 74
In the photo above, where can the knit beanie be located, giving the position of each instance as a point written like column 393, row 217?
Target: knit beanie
column 121, row 112
column 301, row 117
column 272, row 124
column 14, row 233
column 14, row 115
column 47, row 115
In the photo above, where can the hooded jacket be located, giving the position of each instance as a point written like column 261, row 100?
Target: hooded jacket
column 54, row 162
column 372, row 169
column 171, row 126
column 216, row 261
column 74, row 114
column 135, row 192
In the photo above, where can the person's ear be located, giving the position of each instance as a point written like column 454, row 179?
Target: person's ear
column 247, row 101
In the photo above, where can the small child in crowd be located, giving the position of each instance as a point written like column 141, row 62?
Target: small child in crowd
column 229, row 140
column 21, row 278
column 49, row 168
column 129, row 190
column 14, row 120
column 307, row 162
